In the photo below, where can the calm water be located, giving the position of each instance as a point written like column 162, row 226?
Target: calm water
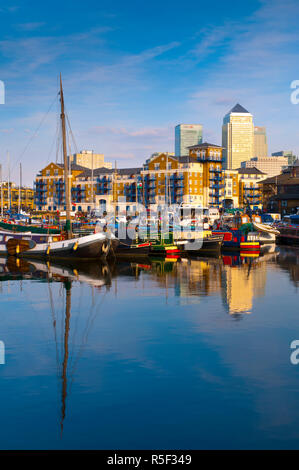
column 186, row 354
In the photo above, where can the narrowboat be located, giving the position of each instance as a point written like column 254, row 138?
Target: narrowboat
column 209, row 244
column 164, row 246
column 289, row 231
column 83, row 248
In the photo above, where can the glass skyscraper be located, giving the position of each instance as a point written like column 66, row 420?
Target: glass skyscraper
column 260, row 142
column 237, row 137
column 185, row 136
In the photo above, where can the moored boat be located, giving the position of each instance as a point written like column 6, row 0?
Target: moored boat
column 266, row 233
column 83, row 248
column 289, row 232
column 209, row 244
column 132, row 249
column 19, row 228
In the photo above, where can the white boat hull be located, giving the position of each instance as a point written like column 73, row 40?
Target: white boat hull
column 89, row 247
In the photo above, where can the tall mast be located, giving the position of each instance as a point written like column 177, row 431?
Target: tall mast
column 20, row 186
column 166, row 182
column 8, row 188
column 114, row 185
column 66, row 169
column 92, row 195
column 1, row 191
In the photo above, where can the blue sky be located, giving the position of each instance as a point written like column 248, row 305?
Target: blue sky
column 132, row 71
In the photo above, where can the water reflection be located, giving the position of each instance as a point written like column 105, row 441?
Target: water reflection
column 138, row 337
column 237, row 279
column 97, row 275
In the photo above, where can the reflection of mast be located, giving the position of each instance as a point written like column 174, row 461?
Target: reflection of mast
column 68, row 362
column 67, row 285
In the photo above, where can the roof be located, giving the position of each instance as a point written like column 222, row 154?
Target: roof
column 238, row 109
column 108, row 171
column 74, row 166
column 204, row 145
column 286, row 197
column 250, row 171
column 128, row 171
column 284, row 178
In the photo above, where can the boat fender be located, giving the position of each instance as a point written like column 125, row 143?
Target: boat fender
column 48, row 249
column 105, row 271
column 75, row 246
column 105, row 247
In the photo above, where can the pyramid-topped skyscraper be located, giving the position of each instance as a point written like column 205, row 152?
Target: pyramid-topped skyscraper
column 237, row 137
column 239, row 109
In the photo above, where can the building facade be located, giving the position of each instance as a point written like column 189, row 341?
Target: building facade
column 286, row 153
column 89, row 159
column 49, row 186
column 195, row 178
column 198, row 178
column 187, row 135
column 271, row 166
column 11, row 197
column 237, row 137
column 104, row 188
column 250, row 192
column 281, row 193
column 231, row 188
column 260, row 142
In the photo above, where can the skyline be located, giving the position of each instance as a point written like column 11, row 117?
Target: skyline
column 131, row 73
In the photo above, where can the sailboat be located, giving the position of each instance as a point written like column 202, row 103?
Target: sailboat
column 84, row 248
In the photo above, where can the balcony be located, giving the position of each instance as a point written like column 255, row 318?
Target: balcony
column 215, row 178
column 152, row 178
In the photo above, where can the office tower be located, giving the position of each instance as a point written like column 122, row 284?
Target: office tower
column 237, row 137
column 260, row 142
column 271, row 166
column 286, row 153
column 89, row 159
column 187, row 135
